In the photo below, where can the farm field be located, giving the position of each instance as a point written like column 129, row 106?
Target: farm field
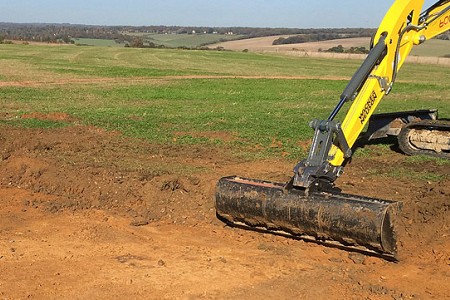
column 96, row 42
column 110, row 156
column 265, row 44
column 434, row 47
column 168, row 40
column 185, row 40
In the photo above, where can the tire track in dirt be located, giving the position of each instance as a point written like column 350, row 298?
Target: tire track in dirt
column 39, row 83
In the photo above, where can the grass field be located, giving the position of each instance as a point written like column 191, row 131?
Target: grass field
column 96, row 42
column 434, row 47
column 184, row 40
column 188, row 40
column 261, row 102
column 168, row 40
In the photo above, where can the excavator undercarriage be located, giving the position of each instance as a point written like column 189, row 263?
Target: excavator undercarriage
column 418, row 132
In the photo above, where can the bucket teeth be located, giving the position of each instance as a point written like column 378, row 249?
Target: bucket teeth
column 349, row 220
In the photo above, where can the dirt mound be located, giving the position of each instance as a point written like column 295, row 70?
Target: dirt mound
column 87, row 168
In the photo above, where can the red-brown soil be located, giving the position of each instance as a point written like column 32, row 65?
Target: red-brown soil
column 90, row 214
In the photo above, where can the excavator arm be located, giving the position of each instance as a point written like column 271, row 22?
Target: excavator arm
column 403, row 27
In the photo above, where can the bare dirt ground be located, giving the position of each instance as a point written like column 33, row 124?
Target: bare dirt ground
column 90, row 214
column 265, row 44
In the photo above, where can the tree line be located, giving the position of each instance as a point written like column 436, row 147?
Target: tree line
column 57, row 33
column 318, row 35
column 65, row 33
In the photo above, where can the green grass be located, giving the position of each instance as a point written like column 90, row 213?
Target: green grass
column 97, row 42
column 158, row 106
column 434, row 47
column 402, row 172
column 105, row 62
column 422, row 159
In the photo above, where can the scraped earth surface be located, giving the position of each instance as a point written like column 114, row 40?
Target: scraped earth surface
column 90, row 214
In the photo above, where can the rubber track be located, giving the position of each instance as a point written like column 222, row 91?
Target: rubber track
column 407, row 148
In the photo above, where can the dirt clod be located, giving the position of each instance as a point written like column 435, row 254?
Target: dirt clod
column 356, row 258
column 161, row 263
column 139, row 222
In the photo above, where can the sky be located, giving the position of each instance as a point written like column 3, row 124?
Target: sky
column 223, row 13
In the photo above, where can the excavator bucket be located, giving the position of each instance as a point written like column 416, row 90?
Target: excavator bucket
column 326, row 217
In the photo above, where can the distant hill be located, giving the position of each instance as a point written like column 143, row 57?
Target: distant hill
column 169, row 36
column 189, row 36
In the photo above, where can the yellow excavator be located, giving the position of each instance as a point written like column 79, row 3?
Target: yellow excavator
column 310, row 206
